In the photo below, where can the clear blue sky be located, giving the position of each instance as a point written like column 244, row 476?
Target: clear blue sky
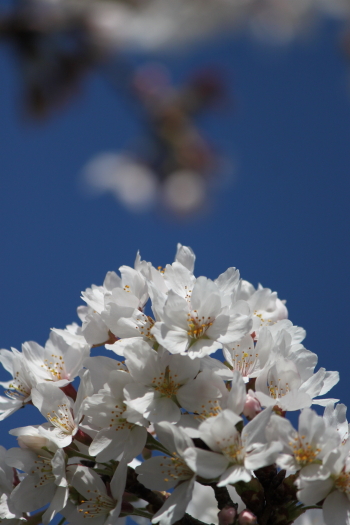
column 284, row 222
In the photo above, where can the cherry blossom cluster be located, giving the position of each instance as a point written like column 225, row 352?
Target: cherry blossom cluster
column 186, row 421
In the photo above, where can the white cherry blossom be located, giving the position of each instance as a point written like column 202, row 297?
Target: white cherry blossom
column 18, row 389
column 177, row 471
column 243, row 356
column 310, row 444
column 99, row 368
column 287, row 377
column 72, row 334
column 127, row 319
column 331, row 483
column 266, row 307
column 282, row 384
column 45, row 481
column 237, row 454
column 171, row 396
column 127, row 291
column 99, row 507
column 335, row 417
column 199, row 326
column 107, row 410
column 62, row 414
column 205, row 397
column 58, row 361
column 8, row 480
column 159, row 379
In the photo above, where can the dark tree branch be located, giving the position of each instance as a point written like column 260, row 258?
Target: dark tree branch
column 135, row 487
column 222, row 497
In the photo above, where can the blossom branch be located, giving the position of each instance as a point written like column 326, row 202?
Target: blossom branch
column 223, row 497
column 135, row 487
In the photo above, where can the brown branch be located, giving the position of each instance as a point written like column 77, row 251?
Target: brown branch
column 222, row 497
column 135, row 487
column 189, row 520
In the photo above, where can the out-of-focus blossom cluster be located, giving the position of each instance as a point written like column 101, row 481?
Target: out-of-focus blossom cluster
column 174, row 164
column 57, row 42
column 187, row 417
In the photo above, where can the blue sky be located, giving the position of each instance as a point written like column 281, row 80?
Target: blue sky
column 283, row 220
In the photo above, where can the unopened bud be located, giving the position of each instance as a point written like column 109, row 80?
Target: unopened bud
column 247, row 518
column 227, row 515
column 252, row 406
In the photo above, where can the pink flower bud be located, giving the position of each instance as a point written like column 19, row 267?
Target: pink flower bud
column 227, row 515
column 247, row 518
column 252, row 406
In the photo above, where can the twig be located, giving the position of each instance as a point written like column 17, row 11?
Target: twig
column 222, row 496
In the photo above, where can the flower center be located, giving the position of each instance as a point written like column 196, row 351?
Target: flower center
column 210, row 409
column 282, row 377
column 117, row 420
column 55, row 367
column 19, row 388
column 263, row 322
column 146, row 325
column 62, row 419
column 278, row 389
column 243, row 361
column 175, row 468
column 197, row 326
column 98, row 505
column 43, row 468
column 234, row 451
column 304, row 453
column 342, row 482
column 165, row 385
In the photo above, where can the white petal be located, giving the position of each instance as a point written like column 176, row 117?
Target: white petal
column 139, row 397
column 85, row 480
column 26, row 497
column 233, row 475
column 175, row 506
column 254, row 431
column 163, row 409
column 238, row 394
column 100, row 368
column 331, row 379
column 311, row 493
column 202, row 347
column 109, row 444
column 263, row 455
column 58, row 503
column 295, row 400
column 185, row 256
column 182, row 369
column 58, row 463
column 172, row 437
column 136, row 443
column 176, row 341
column 143, row 362
column 155, row 473
column 206, row 464
column 118, row 481
column 336, row 509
